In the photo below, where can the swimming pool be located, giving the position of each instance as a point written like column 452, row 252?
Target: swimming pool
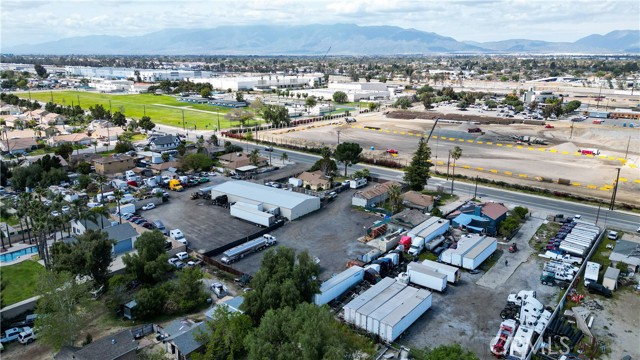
column 11, row 256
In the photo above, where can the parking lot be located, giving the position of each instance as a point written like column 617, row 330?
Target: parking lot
column 329, row 234
column 205, row 226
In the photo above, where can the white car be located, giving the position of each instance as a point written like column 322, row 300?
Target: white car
column 182, row 255
column 65, row 209
column 149, row 206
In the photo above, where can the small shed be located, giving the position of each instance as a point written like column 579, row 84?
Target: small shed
column 128, row 310
column 610, row 280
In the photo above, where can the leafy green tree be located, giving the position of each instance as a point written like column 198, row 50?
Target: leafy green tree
column 373, row 106
column 281, row 281
column 427, row 100
column 303, row 332
column 150, row 302
column 362, row 173
column 119, row 119
column 508, row 226
column 165, row 157
column 65, row 149
column 197, row 162
column 62, row 313
column 83, row 168
column 150, row 263
column 41, row 71
column 444, row 352
column 188, row 292
column 462, row 104
column 205, row 93
column 403, row 102
column 239, row 96
column 239, row 115
column 98, row 112
column 417, row 173
column 277, row 115
column 311, row 101
column 520, row 212
column 146, row 124
column 340, row 97
column 89, row 256
column 491, row 104
column 348, row 153
column 122, row 146
column 182, row 148
column 225, row 336
column 254, row 157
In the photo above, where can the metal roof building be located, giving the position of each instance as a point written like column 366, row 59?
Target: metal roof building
column 292, row 205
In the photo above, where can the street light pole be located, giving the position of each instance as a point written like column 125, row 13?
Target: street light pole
column 338, row 131
column 615, row 190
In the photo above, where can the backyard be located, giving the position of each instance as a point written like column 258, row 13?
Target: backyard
column 19, row 281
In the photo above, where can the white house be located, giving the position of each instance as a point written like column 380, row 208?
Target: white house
column 166, row 142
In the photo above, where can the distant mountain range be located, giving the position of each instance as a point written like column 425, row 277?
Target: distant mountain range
column 344, row 39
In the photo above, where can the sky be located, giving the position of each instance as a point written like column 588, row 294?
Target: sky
column 36, row 21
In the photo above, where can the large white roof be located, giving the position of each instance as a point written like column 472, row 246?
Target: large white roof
column 263, row 194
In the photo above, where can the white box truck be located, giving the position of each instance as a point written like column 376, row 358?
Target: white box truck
column 421, row 275
column 591, row 272
column 452, row 272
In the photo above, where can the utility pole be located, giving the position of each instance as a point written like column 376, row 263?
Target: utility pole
column 598, row 214
column 183, row 128
column 448, row 162
column 571, row 134
column 338, row 131
column 475, row 193
column 615, row 190
column 51, row 92
column 144, row 110
column 627, row 152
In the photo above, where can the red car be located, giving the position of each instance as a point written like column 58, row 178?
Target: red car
column 549, row 126
column 392, row 151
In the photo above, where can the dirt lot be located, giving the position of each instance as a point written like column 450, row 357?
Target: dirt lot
column 495, row 154
column 329, row 233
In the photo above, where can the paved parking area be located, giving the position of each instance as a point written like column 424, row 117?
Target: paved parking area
column 205, row 226
column 329, row 233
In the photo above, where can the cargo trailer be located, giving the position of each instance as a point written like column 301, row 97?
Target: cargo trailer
column 431, row 245
column 403, row 316
column 338, row 285
column 421, row 275
column 591, row 272
column 580, row 242
column 368, row 308
column 472, row 259
column 581, row 235
column 587, row 228
column 374, row 318
column 453, row 273
column 582, row 222
column 573, row 250
column 252, row 215
column 350, row 310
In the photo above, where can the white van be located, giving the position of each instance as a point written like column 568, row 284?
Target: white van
column 176, row 234
column 27, row 336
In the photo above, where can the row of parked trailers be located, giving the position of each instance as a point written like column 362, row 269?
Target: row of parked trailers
column 471, row 251
column 580, row 239
column 388, row 308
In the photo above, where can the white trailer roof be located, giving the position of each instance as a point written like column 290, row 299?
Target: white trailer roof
column 265, row 194
column 428, row 226
column 381, row 298
column 424, row 269
column 385, row 309
column 480, row 247
column 368, row 295
column 406, row 307
column 339, row 278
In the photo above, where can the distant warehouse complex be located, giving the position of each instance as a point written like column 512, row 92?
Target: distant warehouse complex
column 259, row 203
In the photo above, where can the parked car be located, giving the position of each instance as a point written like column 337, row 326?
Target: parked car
column 219, row 289
column 159, row 225
column 11, row 334
column 140, row 221
column 392, row 151
column 27, row 336
column 268, row 148
column 594, row 287
column 149, row 206
column 127, row 216
column 147, row 225
column 182, row 255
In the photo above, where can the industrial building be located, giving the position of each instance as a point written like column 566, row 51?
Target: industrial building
column 472, row 250
column 263, row 82
column 388, row 308
column 291, row 205
column 355, row 91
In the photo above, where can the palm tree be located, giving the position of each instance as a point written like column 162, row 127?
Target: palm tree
column 24, row 200
column 254, row 157
column 101, row 180
column 456, row 153
column 118, row 194
column 284, row 157
column 395, row 198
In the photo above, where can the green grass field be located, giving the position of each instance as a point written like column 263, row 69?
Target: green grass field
column 19, row 281
column 163, row 109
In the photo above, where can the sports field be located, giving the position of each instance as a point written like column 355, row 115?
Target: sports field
column 163, row 109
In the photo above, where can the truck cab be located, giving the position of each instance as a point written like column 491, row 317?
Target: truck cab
column 417, row 245
column 175, row 185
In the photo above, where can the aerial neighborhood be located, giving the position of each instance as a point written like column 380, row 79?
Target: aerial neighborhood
column 320, row 207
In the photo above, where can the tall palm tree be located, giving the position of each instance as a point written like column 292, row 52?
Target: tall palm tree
column 254, row 157
column 118, row 194
column 395, row 199
column 456, row 153
column 24, row 201
column 284, row 157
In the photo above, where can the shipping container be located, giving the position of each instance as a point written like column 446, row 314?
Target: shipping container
column 453, row 273
column 403, row 316
column 479, row 253
column 338, row 285
column 421, row 275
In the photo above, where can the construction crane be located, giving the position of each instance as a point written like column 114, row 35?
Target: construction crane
column 433, row 128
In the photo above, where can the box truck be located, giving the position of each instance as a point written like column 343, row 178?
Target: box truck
column 421, row 275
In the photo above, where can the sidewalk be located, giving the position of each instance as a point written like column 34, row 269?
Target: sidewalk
column 500, row 272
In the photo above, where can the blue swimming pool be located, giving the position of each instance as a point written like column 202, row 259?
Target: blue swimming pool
column 11, row 256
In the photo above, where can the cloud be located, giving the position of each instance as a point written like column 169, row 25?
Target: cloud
column 482, row 20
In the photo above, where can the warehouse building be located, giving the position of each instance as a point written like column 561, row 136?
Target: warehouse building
column 291, row 205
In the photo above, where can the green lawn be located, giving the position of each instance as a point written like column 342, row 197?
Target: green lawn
column 19, row 281
column 137, row 105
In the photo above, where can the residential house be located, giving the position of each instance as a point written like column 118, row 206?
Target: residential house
column 482, row 218
column 9, row 120
column 18, row 146
column 418, row 201
column 233, row 305
column 108, row 133
column 627, row 252
column 32, row 159
column 73, row 139
column 166, row 142
column 52, row 119
column 119, row 346
column 233, row 161
column 79, row 227
column 171, row 166
column 118, row 163
column 372, row 196
column 315, row 180
column 37, row 114
column 179, row 338
column 19, row 134
column 10, row 110
column 124, row 235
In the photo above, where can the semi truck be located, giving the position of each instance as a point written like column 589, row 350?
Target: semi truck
column 421, row 275
column 175, row 185
column 417, row 245
column 247, row 248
